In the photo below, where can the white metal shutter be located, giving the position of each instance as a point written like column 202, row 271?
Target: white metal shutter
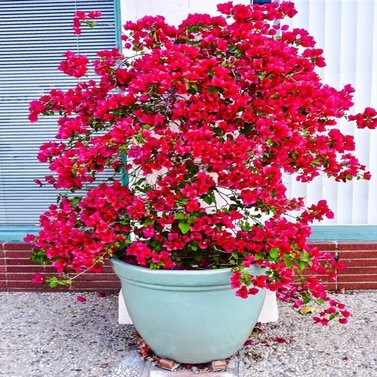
column 34, row 34
column 347, row 32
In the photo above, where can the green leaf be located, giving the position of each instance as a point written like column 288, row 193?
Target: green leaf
column 288, row 262
column 235, row 255
column 215, row 89
column 181, row 201
column 245, row 226
column 301, row 264
column 209, row 198
column 184, row 227
column 155, row 244
column 180, row 216
column 192, row 167
column 76, row 200
column 305, row 256
column 38, row 256
column 247, row 128
column 52, row 281
column 274, row 253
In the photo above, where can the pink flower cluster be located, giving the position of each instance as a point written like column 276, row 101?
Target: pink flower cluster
column 75, row 65
column 210, row 114
column 84, row 17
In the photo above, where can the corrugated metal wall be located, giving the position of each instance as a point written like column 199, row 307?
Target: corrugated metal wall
column 34, row 34
column 346, row 30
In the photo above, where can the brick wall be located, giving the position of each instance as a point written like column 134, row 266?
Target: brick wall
column 16, row 270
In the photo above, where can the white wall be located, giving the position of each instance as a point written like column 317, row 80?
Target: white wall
column 346, row 30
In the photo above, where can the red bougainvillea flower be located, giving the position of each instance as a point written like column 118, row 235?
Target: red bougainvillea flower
column 211, row 115
column 84, row 17
column 75, row 65
column 38, row 279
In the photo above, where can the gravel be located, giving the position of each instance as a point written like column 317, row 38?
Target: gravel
column 294, row 347
column 54, row 335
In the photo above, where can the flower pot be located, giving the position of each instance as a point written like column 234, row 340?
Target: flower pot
column 188, row 316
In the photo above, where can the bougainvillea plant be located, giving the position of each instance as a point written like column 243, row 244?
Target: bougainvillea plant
column 205, row 119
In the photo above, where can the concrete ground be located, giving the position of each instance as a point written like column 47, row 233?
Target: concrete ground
column 55, row 335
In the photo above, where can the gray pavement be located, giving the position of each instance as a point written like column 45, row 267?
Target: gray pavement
column 54, row 335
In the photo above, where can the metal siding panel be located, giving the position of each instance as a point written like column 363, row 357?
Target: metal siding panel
column 35, row 35
column 347, row 32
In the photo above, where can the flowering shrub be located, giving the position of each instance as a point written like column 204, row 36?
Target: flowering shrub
column 210, row 115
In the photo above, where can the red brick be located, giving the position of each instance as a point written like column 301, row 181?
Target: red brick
column 361, row 273
column 3, row 285
column 100, row 285
column 358, row 271
column 357, row 285
column 358, row 278
column 360, row 262
column 366, row 245
column 325, row 245
column 21, row 263
column 358, row 254
column 14, row 276
column 17, row 246
column 77, row 286
column 22, row 284
column 25, row 269
column 97, row 277
column 331, row 286
column 31, row 289
column 107, row 269
column 17, row 254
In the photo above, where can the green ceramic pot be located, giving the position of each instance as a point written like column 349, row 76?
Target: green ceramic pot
column 188, row 316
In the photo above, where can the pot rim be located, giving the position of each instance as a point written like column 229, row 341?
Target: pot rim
column 220, row 276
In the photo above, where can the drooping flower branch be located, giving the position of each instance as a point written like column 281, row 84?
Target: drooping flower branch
column 211, row 114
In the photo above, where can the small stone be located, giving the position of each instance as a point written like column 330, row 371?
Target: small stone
column 218, row 365
column 167, row 364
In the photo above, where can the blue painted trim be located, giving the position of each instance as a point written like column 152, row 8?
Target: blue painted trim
column 261, row 1
column 319, row 232
column 118, row 23
column 17, row 233
column 344, row 232
column 124, row 174
column 118, row 26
